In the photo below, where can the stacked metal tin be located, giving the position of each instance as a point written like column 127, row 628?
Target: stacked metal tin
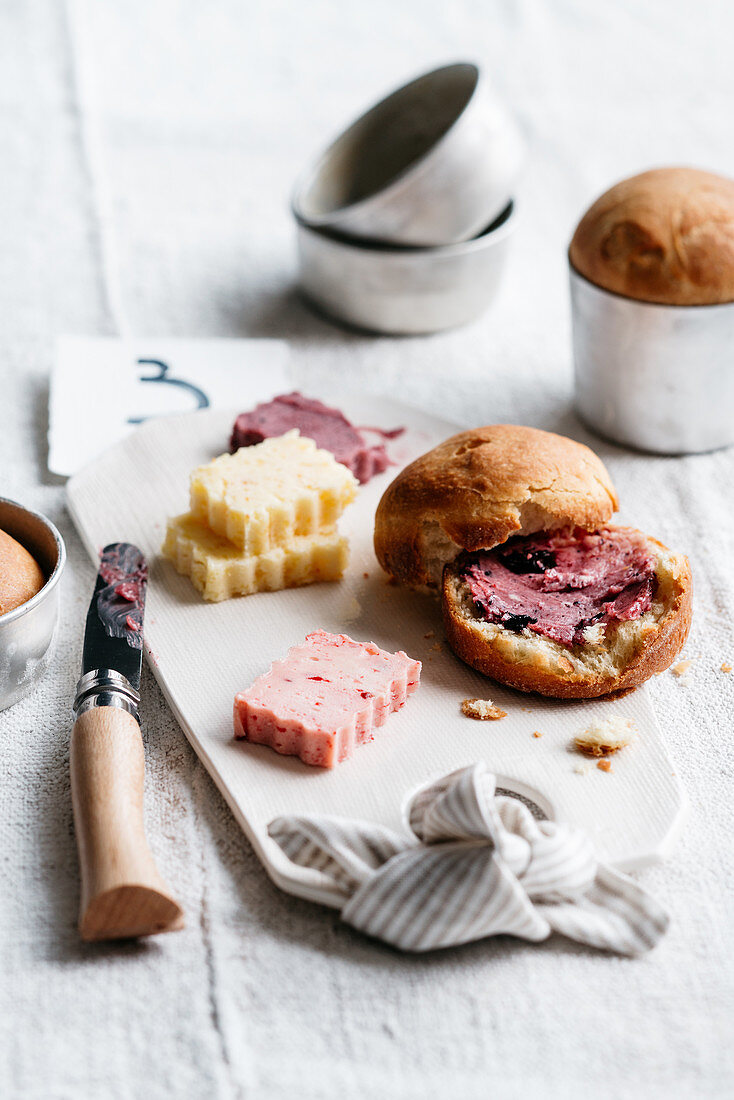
column 404, row 221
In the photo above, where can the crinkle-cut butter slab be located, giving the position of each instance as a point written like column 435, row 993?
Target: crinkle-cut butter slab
column 328, row 695
column 220, row 570
column 265, row 496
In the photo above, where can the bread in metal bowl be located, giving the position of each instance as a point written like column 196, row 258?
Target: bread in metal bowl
column 664, row 236
column 21, row 576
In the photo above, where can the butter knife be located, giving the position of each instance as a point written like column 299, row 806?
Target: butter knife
column 122, row 892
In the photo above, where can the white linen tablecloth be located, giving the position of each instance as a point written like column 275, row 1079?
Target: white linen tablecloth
column 147, row 150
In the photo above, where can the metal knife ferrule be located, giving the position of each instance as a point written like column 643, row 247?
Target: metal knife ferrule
column 104, row 687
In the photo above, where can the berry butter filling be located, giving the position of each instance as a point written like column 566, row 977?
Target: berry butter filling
column 560, row 584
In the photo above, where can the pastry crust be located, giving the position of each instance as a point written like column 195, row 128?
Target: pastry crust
column 478, row 488
column 21, row 576
column 627, row 655
column 664, row 236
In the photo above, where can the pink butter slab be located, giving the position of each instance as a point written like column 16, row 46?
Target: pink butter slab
column 328, row 695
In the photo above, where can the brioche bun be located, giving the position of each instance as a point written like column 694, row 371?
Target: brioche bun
column 664, row 236
column 478, row 488
column 621, row 658
column 20, row 574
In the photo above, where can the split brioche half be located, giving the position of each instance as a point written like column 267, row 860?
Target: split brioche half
column 480, row 487
column 616, row 659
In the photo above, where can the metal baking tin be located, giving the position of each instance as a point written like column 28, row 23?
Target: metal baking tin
column 656, row 377
column 27, row 632
column 403, row 291
column 434, row 163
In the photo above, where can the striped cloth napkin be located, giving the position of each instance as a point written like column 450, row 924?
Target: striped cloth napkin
column 478, row 864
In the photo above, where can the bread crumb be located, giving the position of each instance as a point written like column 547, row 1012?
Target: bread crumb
column 482, row 709
column 726, row 667
column 605, row 737
column 366, row 576
column 604, row 765
column 594, row 635
column 582, row 768
column 437, row 647
column 681, row 668
column 430, row 634
column 537, row 733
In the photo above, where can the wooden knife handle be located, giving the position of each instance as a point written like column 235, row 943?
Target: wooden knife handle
column 122, row 893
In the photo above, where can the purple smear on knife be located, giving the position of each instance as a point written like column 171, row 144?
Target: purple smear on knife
column 121, row 602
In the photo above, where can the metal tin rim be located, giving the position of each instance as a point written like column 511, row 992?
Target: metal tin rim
column 306, row 178
column 53, row 580
column 502, row 226
column 643, row 301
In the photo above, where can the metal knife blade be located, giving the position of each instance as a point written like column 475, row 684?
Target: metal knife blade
column 113, row 638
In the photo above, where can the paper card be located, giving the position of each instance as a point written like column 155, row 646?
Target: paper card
column 102, row 388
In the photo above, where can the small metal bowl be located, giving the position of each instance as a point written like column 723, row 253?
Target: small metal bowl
column 432, row 164
column 403, row 291
column 27, row 632
column 655, row 377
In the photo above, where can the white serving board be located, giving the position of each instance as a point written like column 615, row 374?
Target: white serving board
column 201, row 654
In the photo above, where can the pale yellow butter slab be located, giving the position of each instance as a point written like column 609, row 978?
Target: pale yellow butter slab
column 265, row 496
column 219, row 570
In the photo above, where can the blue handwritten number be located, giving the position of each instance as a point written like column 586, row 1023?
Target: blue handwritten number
column 202, row 401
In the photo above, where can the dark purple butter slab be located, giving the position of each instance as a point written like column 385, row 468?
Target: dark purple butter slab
column 328, row 427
